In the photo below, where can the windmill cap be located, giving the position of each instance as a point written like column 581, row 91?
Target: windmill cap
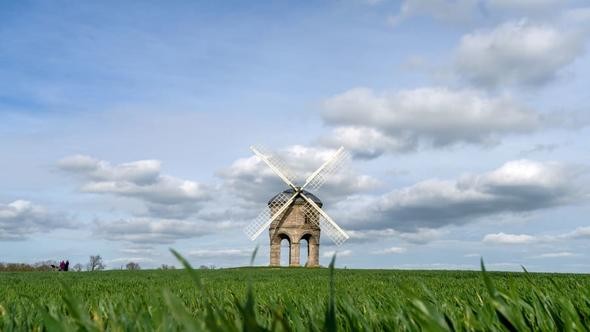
column 279, row 198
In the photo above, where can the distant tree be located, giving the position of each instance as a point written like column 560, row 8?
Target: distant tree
column 167, row 267
column 77, row 267
column 19, row 267
column 95, row 263
column 207, row 267
column 133, row 266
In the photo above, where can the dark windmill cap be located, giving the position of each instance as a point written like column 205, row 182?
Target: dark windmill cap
column 289, row 192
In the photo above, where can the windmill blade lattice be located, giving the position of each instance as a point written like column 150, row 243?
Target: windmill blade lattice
column 313, row 216
column 263, row 220
column 278, row 163
column 332, row 166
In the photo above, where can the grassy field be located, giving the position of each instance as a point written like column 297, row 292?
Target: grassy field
column 293, row 299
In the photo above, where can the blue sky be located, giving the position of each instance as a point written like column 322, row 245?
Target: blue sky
column 125, row 127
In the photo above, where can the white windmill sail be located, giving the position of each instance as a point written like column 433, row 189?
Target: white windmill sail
column 265, row 218
column 326, row 224
column 332, row 165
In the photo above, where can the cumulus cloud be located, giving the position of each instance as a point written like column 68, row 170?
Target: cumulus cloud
column 422, row 235
column 392, row 250
column 338, row 253
column 517, row 53
column 559, row 254
column 138, row 250
column 125, row 260
column 164, row 195
column 371, row 124
column 255, row 183
column 146, row 231
column 20, row 219
column 502, row 238
column 418, row 236
column 220, row 253
column 579, row 233
column 367, row 142
column 516, row 187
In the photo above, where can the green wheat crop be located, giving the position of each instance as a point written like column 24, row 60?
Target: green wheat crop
column 293, row 299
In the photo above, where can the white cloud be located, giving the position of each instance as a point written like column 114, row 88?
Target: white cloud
column 124, row 260
column 20, row 219
column 516, row 187
column 164, row 195
column 220, row 253
column 502, row 238
column 254, row 182
column 147, row 231
column 138, row 250
column 370, row 235
column 391, row 250
column 560, row 254
column 422, row 235
column 418, row 236
column 339, row 253
column 472, row 255
column 371, row 124
column 367, row 142
column 579, row 233
column 139, row 172
column 517, row 53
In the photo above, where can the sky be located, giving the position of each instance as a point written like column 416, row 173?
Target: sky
column 125, row 129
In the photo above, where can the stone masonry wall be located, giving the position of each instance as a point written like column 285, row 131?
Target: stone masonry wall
column 294, row 227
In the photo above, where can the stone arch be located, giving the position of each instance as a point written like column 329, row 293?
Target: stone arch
column 309, row 237
column 280, row 237
column 275, row 248
column 313, row 249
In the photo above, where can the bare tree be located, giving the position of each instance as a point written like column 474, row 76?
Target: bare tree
column 167, row 267
column 133, row 266
column 95, row 263
column 78, row 267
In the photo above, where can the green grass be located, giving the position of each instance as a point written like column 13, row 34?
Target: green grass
column 293, row 299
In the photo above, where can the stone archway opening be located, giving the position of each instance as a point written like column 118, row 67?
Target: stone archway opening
column 304, row 251
column 280, row 249
column 312, row 249
column 285, row 253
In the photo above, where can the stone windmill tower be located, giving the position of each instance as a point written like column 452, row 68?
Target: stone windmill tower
column 296, row 214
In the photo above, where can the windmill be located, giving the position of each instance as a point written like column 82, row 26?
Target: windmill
column 295, row 214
